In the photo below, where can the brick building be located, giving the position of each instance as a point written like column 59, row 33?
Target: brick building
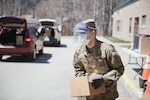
column 130, row 18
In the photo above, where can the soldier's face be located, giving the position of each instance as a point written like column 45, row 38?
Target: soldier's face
column 88, row 32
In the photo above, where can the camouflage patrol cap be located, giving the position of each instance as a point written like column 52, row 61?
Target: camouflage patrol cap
column 85, row 25
column 90, row 23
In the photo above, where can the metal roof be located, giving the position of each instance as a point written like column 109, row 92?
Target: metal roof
column 124, row 4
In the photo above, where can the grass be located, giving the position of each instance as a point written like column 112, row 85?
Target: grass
column 116, row 40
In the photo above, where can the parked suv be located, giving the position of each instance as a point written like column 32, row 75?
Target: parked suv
column 19, row 37
column 52, row 36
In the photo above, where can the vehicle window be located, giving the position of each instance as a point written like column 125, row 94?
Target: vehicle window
column 32, row 32
column 36, row 25
column 47, row 23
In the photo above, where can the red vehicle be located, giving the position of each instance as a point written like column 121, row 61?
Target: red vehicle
column 17, row 37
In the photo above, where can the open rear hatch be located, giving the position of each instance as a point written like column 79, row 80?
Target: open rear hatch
column 49, row 33
column 47, row 22
column 12, row 31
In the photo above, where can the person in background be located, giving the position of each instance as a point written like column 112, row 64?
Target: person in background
column 96, row 58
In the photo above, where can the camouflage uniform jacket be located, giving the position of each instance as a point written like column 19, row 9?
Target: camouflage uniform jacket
column 102, row 59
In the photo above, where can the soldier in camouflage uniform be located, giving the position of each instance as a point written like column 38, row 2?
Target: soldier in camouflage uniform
column 100, row 58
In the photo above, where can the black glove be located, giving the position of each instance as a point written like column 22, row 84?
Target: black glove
column 97, row 83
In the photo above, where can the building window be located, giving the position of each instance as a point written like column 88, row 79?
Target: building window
column 118, row 26
column 130, row 25
column 144, row 20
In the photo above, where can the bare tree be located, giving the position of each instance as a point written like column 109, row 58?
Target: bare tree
column 16, row 7
column 67, row 12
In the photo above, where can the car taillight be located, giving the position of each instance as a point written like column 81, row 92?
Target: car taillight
column 28, row 39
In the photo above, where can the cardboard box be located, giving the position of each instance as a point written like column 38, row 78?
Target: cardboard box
column 19, row 40
column 47, row 32
column 144, row 44
column 81, row 87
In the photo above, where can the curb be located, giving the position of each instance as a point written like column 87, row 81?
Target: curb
column 133, row 89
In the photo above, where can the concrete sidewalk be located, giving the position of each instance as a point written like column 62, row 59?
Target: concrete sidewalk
column 130, row 77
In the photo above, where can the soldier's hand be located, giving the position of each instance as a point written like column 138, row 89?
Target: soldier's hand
column 112, row 75
column 97, row 83
column 94, row 76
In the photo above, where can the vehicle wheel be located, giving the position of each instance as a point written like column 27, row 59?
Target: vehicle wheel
column 1, row 57
column 58, row 44
column 32, row 56
column 41, row 51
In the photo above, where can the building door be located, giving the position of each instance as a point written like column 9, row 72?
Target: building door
column 135, row 34
column 136, row 25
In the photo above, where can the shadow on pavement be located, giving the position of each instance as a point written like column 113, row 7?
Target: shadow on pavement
column 40, row 59
column 61, row 46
